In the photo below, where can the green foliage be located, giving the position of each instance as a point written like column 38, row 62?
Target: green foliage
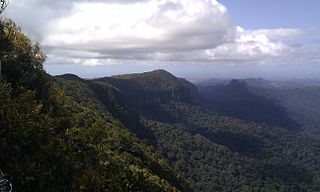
column 21, row 60
column 30, row 148
column 69, row 134
column 57, row 135
column 302, row 104
column 128, row 149
column 217, row 153
column 104, row 167
column 152, row 87
column 154, row 81
column 225, row 154
column 296, row 109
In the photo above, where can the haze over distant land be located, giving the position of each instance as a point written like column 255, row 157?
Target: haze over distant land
column 153, row 131
column 190, row 38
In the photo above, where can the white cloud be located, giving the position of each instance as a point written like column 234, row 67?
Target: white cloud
column 97, row 32
column 153, row 26
column 274, row 34
column 254, row 45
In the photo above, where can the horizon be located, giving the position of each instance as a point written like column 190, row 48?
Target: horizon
column 159, row 95
column 193, row 80
column 193, row 39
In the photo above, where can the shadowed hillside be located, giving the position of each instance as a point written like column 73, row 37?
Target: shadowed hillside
column 69, row 134
column 146, row 91
column 238, row 100
column 218, row 153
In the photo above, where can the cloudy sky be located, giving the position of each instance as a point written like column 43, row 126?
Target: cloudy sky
column 190, row 38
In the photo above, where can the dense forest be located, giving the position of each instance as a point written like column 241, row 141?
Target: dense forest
column 57, row 135
column 148, row 132
column 217, row 152
column 292, row 107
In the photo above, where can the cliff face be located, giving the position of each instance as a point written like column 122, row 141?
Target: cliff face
column 148, row 98
column 153, row 87
column 201, row 144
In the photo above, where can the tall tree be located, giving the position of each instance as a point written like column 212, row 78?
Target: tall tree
column 3, row 5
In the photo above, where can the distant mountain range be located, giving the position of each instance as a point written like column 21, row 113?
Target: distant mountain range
column 156, row 132
column 260, row 82
column 294, row 108
column 151, row 132
column 225, row 137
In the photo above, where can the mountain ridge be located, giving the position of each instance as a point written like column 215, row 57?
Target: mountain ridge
column 176, row 124
column 141, row 132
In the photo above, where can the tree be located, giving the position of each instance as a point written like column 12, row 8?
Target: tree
column 3, row 5
column 21, row 60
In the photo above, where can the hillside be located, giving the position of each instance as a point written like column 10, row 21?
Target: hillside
column 237, row 99
column 150, row 131
column 217, row 153
column 146, row 91
column 68, row 134
column 302, row 104
column 296, row 109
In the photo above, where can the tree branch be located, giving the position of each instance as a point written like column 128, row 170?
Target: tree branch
column 3, row 5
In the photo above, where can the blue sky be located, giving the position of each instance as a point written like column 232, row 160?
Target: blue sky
column 190, row 38
column 274, row 13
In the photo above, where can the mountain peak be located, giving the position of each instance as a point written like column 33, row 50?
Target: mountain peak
column 157, row 73
column 237, row 83
column 70, row 76
column 160, row 71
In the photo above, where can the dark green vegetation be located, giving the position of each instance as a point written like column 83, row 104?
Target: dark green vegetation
column 297, row 109
column 145, row 132
column 217, row 153
column 70, row 135
column 302, row 105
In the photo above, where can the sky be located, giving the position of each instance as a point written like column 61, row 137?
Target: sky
column 196, row 39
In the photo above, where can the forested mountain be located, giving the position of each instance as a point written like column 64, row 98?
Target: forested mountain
column 146, row 91
column 296, row 109
column 218, row 153
column 59, row 134
column 263, row 83
column 146, row 132
column 302, row 105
